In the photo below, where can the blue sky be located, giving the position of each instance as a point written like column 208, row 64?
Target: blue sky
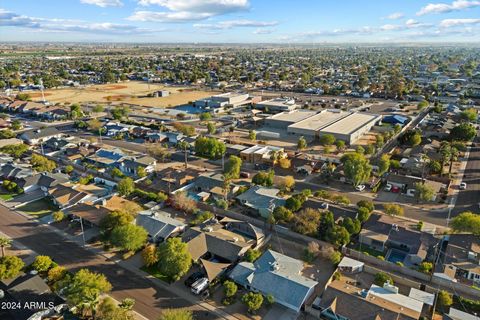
column 245, row 21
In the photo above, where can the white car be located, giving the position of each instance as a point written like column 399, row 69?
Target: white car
column 410, row 193
column 388, row 187
column 360, row 187
column 324, row 206
column 463, row 186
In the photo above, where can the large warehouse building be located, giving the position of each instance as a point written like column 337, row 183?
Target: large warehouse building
column 277, row 105
column 346, row 126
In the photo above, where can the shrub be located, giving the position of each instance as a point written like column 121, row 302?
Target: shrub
column 58, row 216
column 251, row 255
column 42, row 263
column 56, row 274
column 335, row 257
column 381, row 278
column 337, row 275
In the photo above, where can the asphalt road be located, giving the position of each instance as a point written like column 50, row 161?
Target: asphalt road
column 150, row 299
column 469, row 199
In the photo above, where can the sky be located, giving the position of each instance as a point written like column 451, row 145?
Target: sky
column 240, row 21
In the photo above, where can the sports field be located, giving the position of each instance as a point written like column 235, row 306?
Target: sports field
column 128, row 92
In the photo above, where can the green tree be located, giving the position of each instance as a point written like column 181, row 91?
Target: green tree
column 206, row 116
column 126, row 186
column 10, row 267
column 129, row 237
column 466, row 222
column 68, row 169
column 209, row 147
column 251, row 255
column 85, row 288
column 363, row 214
column 16, row 125
column 115, row 219
column 469, row 114
column 174, row 259
column 295, row 202
column 42, row 263
column 352, row 225
column 381, row 278
column 422, row 104
column 232, row 167
column 282, row 214
column 356, row 168
column 444, row 299
column 98, row 108
column 229, row 288
column 253, row 301
column 108, row 310
column 5, row 243
column 211, row 128
column 264, row 178
column 56, row 274
column 41, row 163
column 340, row 145
column 463, row 132
column 425, row 267
column 118, row 113
column 141, row 172
column 335, row 257
column 115, row 172
column 424, row 192
column 307, row 221
column 75, row 111
column 176, row 314
column 327, row 139
column 14, row 150
column 393, row 209
column 302, row 143
column 383, row 164
column 149, row 255
column 369, row 205
column 411, row 137
column 252, row 135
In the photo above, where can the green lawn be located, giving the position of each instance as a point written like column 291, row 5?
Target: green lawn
column 39, row 208
column 6, row 196
column 370, row 251
column 153, row 270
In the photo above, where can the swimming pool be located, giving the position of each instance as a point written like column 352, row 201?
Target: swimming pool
column 396, row 256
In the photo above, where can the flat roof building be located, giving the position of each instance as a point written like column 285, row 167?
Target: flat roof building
column 352, row 127
column 284, row 119
column 222, row 100
column 277, row 104
column 311, row 126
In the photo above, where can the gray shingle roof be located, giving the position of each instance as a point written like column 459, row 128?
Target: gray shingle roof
column 276, row 274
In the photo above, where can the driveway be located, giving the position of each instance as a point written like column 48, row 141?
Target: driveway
column 25, row 198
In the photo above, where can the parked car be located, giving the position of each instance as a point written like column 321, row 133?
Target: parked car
column 388, row 187
column 244, row 174
column 199, row 285
column 395, row 189
column 360, row 187
column 463, row 186
column 324, row 205
column 193, row 278
column 410, row 193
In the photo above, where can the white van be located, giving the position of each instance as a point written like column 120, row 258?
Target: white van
column 199, row 285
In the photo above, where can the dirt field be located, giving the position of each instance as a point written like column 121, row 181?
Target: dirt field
column 128, row 92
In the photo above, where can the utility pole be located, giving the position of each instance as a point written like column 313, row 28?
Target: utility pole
column 83, row 232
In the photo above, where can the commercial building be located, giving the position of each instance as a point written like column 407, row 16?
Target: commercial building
column 352, row 127
column 223, row 100
column 310, row 127
column 260, row 153
column 284, row 119
column 277, row 105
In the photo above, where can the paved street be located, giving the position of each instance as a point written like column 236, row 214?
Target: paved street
column 469, row 199
column 150, row 299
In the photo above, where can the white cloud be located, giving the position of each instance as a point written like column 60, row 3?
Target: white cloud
column 447, row 23
column 11, row 19
column 391, row 27
column 188, row 10
column 263, row 31
column 103, row 3
column 433, row 8
column 235, row 23
column 395, row 16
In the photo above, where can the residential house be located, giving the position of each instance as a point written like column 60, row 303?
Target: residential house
column 462, row 257
column 89, row 212
column 43, row 181
column 345, row 301
column 107, row 158
column 54, row 144
column 218, row 244
column 261, row 154
column 156, row 137
column 213, row 184
column 131, row 166
column 174, row 137
column 13, row 171
column 408, row 182
column 113, row 129
column 11, row 141
column 277, row 275
column 23, row 290
column 393, row 236
column 66, row 195
column 159, row 225
column 262, row 200
column 395, row 119
column 37, row 136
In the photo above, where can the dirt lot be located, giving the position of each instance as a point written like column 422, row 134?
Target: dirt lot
column 129, row 92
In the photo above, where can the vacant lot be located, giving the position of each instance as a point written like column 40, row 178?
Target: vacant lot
column 129, row 92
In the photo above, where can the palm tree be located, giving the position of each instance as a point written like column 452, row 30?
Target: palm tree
column 183, row 145
column 454, row 153
column 5, row 243
column 446, row 154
